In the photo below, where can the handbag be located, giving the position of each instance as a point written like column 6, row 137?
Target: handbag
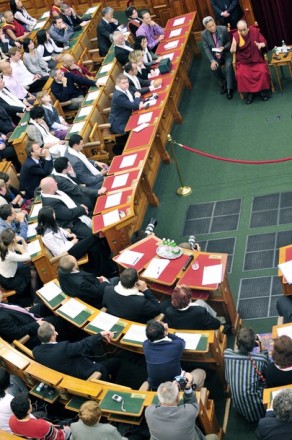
column 164, row 66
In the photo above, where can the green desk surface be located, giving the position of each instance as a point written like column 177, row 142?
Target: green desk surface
column 109, row 57
column 20, row 129
column 75, row 403
column 117, row 328
column 130, row 341
column 132, row 405
column 74, row 38
column 48, row 394
column 79, row 320
column 57, row 301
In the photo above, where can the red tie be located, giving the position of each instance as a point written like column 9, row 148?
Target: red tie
column 217, row 44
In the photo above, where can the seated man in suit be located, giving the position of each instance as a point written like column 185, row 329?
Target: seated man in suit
column 65, row 177
column 105, row 29
column 60, row 32
column 68, row 213
column 131, row 299
column 278, row 420
column 83, row 285
column 70, row 357
column 70, row 17
column 163, row 352
column 227, row 11
column 252, row 72
column 140, row 85
column 36, row 166
column 216, row 44
column 87, row 171
column 16, row 321
column 122, row 47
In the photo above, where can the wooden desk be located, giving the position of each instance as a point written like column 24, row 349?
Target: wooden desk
column 8, row 168
column 285, row 254
column 283, row 61
column 268, row 397
column 282, row 330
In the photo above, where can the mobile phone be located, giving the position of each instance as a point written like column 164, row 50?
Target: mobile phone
column 117, row 398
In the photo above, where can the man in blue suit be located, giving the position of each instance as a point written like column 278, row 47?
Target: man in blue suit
column 227, row 11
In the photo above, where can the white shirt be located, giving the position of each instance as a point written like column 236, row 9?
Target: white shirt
column 8, row 267
column 5, row 412
column 57, row 242
column 19, row 71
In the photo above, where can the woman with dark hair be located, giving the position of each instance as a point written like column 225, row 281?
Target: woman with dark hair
column 31, row 59
column 12, row 195
column 13, row 276
column 245, row 374
column 47, row 48
column 149, row 57
column 21, row 15
column 134, row 21
column 188, row 315
column 279, row 372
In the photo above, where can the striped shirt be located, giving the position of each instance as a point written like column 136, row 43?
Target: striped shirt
column 245, row 384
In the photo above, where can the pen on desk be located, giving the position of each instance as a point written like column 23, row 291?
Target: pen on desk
column 187, row 262
column 135, row 261
column 158, row 270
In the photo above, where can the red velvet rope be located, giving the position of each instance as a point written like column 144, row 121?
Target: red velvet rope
column 226, row 159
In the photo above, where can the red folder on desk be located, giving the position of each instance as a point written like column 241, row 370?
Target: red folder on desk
column 288, row 256
column 101, row 202
column 174, row 57
column 140, row 139
column 187, row 19
column 98, row 221
column 112, row 185
column 165, row 46
column 126, row 162
column 134, row 119
column 169, row 275
column 147, row 248
column 194, row 278
column 183, row 29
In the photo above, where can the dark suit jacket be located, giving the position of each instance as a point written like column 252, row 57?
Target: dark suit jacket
column 6, row 123
column 233, row 8
column 68, row 357
column 11, row 109
column 83, row 174
column 104, row 30
column 194, row 318
column 76, row 192
column 73, row 22
column 122, row 55
column 32, row 173
column 64, row 94
column 121, row 110
column 133, row 307
column 208, row 42
column 65, row 217
column 145, row 84
column 270, row 428
column 83, row 285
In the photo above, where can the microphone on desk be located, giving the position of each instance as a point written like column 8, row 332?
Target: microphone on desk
column 188, row 262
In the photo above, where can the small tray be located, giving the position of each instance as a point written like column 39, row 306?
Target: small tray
column 165, row 252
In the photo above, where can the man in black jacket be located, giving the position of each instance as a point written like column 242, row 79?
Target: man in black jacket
column 70, row 17
column 105, row 29
column 227, row 11
column 70, row 357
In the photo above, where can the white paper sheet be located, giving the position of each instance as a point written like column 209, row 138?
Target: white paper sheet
column 140, row 127
column 154, row 73
column 105, row 321
column 286, row 269
column 120, row 180
column 175, row 33
column 152, row 101
column 217, row 50
column 34, row 247
column 31, row 230
column 72, row 308
column 92, row 96
column 77, row 128
column 171, row 45
column 35, row 209
column 136, row 333
column 170, row 56
column 106, row 68
column 50, row 291
column 40, row 24
column 275, row 393
column 103, row 80
column 84, row 111
column 46, row 14
column 130, row 257
column 113, row 200
column 212, row 274
column 287, row 331
column 128, row 160
column 179, row 21
column 91, row 10
column 155, row 268
column 146, row 117
column 111, row 217
column 192, row 340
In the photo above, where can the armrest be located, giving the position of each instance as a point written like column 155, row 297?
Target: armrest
column 159, row 317
column 103, row 309
column 65, row 103
column 95, row 376
column 105, row 125
column 57, row 258
column 24, row 339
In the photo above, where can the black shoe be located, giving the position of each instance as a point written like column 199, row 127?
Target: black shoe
column 229, row 93
column 249, row 98
column 223, row 89
column 264, row 96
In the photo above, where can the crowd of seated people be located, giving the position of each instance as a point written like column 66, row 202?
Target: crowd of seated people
column 70, row 183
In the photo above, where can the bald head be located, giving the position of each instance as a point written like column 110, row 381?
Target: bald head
column 5, row 67
column 68, row 263
column 48, row 185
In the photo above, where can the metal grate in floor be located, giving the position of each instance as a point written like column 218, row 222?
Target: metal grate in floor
column 221, row 245
column 271, row 210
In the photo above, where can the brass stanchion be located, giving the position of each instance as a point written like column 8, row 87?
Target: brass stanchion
column 182, row 190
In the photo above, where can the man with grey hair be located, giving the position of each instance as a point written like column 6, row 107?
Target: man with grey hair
column 169, row 420
column 105, row 29
column 216, row 44
column 122, row 47
column 278, row 420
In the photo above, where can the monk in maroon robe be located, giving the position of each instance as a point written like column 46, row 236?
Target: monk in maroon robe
column 252, row 72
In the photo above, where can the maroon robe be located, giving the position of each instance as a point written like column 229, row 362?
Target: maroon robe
column 252, row 72
column 16, row 27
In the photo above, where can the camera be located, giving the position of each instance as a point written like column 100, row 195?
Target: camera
column 117, row 398
column 151, row 226
column 192, row 242
column 182, row 382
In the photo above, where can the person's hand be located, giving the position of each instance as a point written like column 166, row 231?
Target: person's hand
column 64, row 81
column 75, row 240
column 102, row 190
column 102, row 279
column 85, row 207
column 189, row 379
column 67, row 429
column 157, row 82
column 137, row 94
column 233, row 46
column 141, row 105
column 214, row 65
column 37, row 76
column 45, row 153
column 20, row 216
column 40, row 321
column 225, row 14
column 83, row 23
column 259, row 45
column 159, row 59
column 103, row 172
column 142, row 286
column 4, row 137
column 108, row 335
column 17, row 44
column 160, row 38
column 165, row 325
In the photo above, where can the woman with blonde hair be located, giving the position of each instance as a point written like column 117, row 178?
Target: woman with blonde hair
column 88, row 425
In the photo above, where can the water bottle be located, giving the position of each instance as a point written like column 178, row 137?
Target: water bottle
column 284, row 47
